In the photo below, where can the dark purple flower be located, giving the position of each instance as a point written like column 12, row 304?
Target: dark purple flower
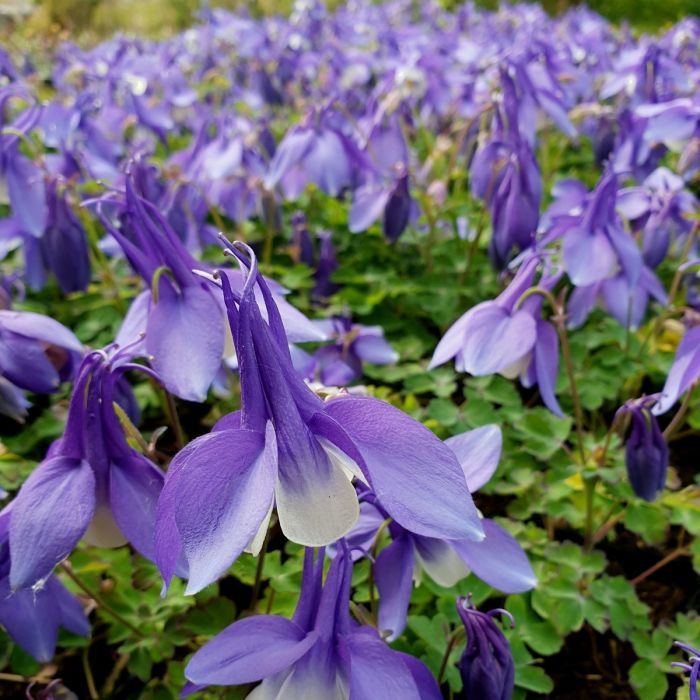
column 288, row 448
column 486, row 664
column 646, row 451
column 320, row 653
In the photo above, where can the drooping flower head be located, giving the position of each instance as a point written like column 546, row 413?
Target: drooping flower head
column 289, row 449
column 320, row 653
column 486, row 665
column 92, row 483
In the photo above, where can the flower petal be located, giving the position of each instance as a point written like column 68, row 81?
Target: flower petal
column 393, row 572
column 477, row 452
column 225, row 492
column 249, row 650
column 416, row 477
column 499, row 560
column 50, row 514
column 135, row 484
column 185, row 335
column 376, row 671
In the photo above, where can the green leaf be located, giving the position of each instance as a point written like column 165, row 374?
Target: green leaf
column 533, row 678
column 649, row 682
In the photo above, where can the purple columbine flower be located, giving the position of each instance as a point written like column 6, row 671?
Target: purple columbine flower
column 36, row 352
column 646, row 451
column 315, row 151
column 486, row 664
column 385, row 191
column 320, row 653
column 340, row 363
column 493, row 336
column 92, row 484
column 184, row 323
column 498, row 559
column 595, row 244
column 684, row 372
column 692, row 668
column 288, row 448
column 32, row 616
column 661, row 209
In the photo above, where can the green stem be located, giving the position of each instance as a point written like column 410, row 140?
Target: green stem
column 677, row 420
column 89, row 678
column 174, row 419
column 259, row 571
column 66, row 567
column 454, row 638
column 560, row 324
column 589, row 485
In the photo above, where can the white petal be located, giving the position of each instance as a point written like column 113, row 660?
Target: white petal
column 103, row 530
column 317, row 511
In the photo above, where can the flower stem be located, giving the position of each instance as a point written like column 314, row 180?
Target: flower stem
column 589, row 486
column 677, row 420
column 89, row 679
column 67, row 569
column 174, row 419
column 559, row 319
column 676, row 282
column 675, row 554
column 259, row 571
column 454, row 638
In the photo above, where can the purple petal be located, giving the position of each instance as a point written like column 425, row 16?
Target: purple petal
column 547, row 365
column 440, row 561
column 50, row 514
column 369, row 203
column 423, row 678
column 249, row 650
column 495, row 341
column 186, row 338
column 376, row 671
column 135, row 484
column 589, row 257
column 31, row 619
column 225, row 489
column 684, row 371
column 416, row 477
column 27, row 191
column 478, row 452
column 24, row 362
column 135, row 322
column 453, row 340
column 39, row 327
column 375, row 350
column 393, row 572
column 498, row 560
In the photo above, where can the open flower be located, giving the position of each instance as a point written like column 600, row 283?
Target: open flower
column 320, row 653
column 287, row 448
column 498, row 559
